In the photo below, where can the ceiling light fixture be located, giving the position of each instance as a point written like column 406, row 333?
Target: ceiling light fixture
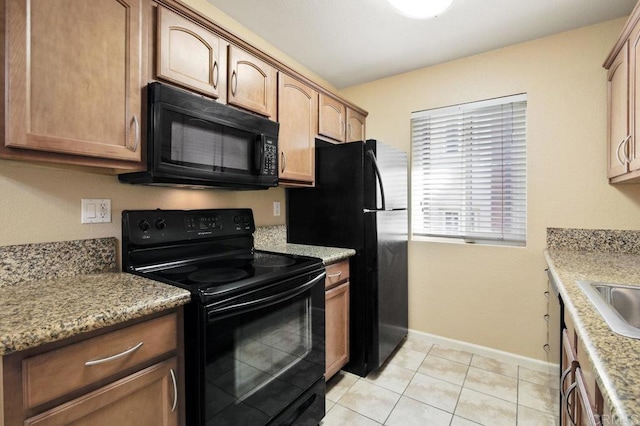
column 420, row 9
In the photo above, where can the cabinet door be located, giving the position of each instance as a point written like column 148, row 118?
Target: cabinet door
column 148, row 397
column 355, row 126
column 567, row 380
column 297, row 115
column 252, row 83
column 585, row 412
column 190, row 55
column 331, row 119
column 618, row 122
column 337, row 329
column 74, row 77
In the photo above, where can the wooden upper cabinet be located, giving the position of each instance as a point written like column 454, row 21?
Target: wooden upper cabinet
column 332, row 118
column 252, row 83
column 355, row 126
column 74, row 77
column 619, row 124
column 298, row 117
column 190, row 55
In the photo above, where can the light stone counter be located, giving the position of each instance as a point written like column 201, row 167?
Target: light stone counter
column 52, row 291
column 615, row 359
column 274, row 238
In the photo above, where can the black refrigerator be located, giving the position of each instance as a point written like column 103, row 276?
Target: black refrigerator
column 360, row 202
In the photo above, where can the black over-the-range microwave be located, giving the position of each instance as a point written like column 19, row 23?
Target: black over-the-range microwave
column 197, row 142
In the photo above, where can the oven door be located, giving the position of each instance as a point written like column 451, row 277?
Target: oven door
column 264, row 353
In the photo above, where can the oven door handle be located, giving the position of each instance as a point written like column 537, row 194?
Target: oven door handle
column 244, row 307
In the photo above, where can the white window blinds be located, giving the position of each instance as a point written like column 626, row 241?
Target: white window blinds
column 469, row 171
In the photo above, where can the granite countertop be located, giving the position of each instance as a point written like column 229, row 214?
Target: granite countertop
column 274, row 238
column 615, row 359
column 39, row 312
column 51, row 291
column 327, row 254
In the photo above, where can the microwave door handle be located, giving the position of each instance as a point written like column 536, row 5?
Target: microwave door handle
column 376, row 170
column 258, row 153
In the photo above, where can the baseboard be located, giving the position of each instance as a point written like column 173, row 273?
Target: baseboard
column 531, row 363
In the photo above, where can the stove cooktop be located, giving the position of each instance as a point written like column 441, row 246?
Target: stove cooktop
column 223, row 275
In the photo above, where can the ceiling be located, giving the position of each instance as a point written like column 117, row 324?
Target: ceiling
column 349, row 42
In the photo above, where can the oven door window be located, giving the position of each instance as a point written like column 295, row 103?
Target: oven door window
column 258, row 362
column 204, row 146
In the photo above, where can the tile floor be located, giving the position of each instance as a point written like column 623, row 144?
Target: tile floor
column 429, row 384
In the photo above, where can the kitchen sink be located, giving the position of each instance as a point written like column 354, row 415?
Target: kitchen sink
column 618, row 304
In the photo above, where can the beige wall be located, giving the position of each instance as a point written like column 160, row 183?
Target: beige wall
column 493, row 296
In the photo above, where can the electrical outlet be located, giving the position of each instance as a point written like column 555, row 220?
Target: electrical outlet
column 276, row 208
column 96, row 210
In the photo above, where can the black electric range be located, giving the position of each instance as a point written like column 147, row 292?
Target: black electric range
column 255, row 326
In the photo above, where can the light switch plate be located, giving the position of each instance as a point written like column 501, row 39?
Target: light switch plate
column 96, row 210
column 276, row 208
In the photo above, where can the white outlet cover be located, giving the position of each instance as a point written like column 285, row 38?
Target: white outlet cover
column 276, row 208
column 96, row 210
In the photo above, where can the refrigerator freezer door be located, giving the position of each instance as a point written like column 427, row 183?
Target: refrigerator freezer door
column 392, row 164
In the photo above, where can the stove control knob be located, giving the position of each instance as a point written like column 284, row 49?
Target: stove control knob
column 246, row 218
column 237, row 219
column 160, row 224
column 144, row 225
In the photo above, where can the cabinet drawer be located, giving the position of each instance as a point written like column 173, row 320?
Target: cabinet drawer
column 56, row 373
column 337, row 273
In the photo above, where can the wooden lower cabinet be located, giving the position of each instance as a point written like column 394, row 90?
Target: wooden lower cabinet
column 148, row 397
column 337, row 317
column 578, row 389
column 129, row 374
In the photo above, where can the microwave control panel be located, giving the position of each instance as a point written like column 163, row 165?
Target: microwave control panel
column 270, row 167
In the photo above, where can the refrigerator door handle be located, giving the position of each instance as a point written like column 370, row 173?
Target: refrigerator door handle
column 376, row 169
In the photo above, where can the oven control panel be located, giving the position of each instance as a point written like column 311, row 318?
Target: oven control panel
column 147, row 227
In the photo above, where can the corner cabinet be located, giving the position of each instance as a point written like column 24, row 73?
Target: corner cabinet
column 190, row 55
column 623, row 92
column 122, row 376
column 252, row 83
column 355, row 126
column 337, row 317
column 298, row 117
column 73, row 81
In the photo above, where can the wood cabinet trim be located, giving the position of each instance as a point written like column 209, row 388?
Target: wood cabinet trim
column 625, row 33
column 193, row 14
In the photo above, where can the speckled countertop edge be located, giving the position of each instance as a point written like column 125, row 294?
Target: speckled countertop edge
column 44, row 311
column 327, row 254
column 274, row 238
column 615, row 359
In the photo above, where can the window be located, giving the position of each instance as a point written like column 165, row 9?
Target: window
column 469, row 171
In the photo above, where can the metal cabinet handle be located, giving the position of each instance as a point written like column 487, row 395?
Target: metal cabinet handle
column 114, row 357
column 334, row 275
column 136, row 127
column 234, row 83
column 175, row 390
column 215, row 74
column 622, row 142
column 625, row 150
column 349, row 130
column 567, row 406
column 564, row 376
column 342, row 127
column 284, row 162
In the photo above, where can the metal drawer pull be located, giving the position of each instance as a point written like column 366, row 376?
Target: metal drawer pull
column 567, row 406
column 175, row 390
column 136, row 142
column 334, row 275
column 234, row 83
column 215, row 74
column 284, row 161
column 114, row 357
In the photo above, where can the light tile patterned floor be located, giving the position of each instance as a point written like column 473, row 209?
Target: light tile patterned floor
column 426, row 384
